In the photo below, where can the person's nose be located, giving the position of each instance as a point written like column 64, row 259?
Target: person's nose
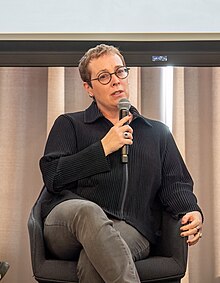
column 115, row 80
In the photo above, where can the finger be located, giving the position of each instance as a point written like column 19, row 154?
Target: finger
column 185, row 219
column 191, row 225
column 127, row 128
column 194, row 239
column 195, row 226
column 188, row 233
column 188, row 218
column 191, row 216
column 123, row 121
column 127, row 138
column 192, row 231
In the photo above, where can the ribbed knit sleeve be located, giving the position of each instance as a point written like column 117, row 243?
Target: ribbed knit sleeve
column 176, row 193
column 63, row 164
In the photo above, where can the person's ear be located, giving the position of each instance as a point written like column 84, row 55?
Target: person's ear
column 88, row 89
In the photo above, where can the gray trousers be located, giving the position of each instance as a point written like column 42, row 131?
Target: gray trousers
column 105, row 248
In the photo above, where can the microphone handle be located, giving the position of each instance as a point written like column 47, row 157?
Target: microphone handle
column 124, row 149
column 123, row 113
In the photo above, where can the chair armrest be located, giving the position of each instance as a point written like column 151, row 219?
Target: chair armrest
column 36, row 242
column 36, row 238
column 171, row 243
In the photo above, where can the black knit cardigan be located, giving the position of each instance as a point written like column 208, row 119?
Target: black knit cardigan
column 74, row 166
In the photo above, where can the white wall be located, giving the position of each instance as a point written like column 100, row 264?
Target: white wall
column 109, row 16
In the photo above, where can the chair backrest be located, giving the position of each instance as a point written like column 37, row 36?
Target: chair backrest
column 167, row 263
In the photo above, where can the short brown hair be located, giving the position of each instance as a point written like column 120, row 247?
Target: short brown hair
column 94, row 53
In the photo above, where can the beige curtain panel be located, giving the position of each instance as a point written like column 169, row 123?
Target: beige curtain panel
column 30, row 100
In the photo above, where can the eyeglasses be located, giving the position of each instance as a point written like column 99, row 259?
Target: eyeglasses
column 105, row 77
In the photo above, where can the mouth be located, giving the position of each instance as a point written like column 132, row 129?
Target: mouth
column 117, row 93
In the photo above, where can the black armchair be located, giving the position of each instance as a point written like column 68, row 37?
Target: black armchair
column 167, row 261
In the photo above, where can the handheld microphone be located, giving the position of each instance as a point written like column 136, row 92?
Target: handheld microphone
column 124, row 106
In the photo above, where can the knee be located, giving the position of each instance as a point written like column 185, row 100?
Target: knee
column 87, row 221
column 89, row 210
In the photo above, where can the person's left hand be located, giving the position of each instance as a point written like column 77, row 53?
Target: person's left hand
column 192, row 227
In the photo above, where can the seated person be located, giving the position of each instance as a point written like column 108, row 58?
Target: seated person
column 101, row 211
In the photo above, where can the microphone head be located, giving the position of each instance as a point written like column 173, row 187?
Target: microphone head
column 124, row 103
